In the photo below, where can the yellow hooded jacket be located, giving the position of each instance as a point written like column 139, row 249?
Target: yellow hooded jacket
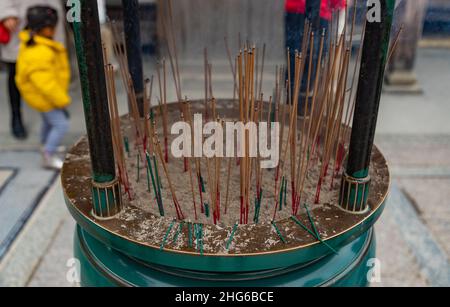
column 43, row 73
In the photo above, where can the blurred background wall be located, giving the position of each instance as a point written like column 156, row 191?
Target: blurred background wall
column 199, row 23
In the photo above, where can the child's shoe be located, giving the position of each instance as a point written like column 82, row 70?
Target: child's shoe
column 52, row 162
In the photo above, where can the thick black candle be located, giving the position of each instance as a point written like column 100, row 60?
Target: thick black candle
column 373, row 63
column 93, row 85
column 355, row 187
column 132, row 32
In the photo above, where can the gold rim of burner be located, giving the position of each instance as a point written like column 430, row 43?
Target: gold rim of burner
column 250, row 254
column 350, row 182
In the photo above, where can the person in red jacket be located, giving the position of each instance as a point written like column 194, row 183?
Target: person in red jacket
column 13, row 17
column 326, row 7
column 319, row 14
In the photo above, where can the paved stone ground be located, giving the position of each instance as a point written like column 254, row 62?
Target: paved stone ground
column 18, row 207
column 421, row 176
column 5, row 176
column 413, row 234
column 53, row 267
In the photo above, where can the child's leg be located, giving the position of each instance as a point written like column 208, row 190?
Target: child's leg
column 59, row 124
column 45, row 130
column 17, row 126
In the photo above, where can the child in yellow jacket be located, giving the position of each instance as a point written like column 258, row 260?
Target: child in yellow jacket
column 43, row 77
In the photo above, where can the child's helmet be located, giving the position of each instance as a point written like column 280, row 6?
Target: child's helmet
column 39, row 17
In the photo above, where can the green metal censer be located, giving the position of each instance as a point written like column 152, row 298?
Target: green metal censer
column 112, row 256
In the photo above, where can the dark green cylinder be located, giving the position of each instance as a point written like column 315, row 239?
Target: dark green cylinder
column 132, row 31
column 102, row 266
column 356, row 180
column 373, row 63
column 93, row 85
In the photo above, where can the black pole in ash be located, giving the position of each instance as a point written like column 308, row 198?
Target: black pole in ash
column 356, row 181
column 105, row 187
column 132, row 32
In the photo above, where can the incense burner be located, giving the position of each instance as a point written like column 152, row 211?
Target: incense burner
column 163, row 251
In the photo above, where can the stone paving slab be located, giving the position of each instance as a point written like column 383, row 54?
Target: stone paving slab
column 432, row 199
column 421, row 168
column 53, row 268
column 429, row 254
column 5, row 176
column 21, row 196
column 418, row 151
column 399, row 267
column 33, row 242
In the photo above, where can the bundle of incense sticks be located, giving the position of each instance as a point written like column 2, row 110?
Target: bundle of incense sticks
column 171, row 46
column 334, row 108
column 118, row 46
column 172, row 50
column 324, row 121
column 248, row 112
column 315, row 141
column 118, row 145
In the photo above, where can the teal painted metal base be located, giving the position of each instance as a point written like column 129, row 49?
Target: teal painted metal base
column 103, row 266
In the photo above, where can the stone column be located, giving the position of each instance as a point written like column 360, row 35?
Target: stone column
column 401, row 75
